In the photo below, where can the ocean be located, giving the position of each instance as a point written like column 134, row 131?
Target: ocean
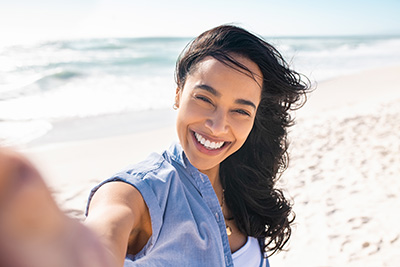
column 47, row 83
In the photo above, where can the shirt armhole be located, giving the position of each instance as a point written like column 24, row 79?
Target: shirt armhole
column 151, row 201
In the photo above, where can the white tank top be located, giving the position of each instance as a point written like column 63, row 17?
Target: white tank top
column 249, row 255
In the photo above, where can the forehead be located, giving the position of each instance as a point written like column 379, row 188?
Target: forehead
column 243, row 65
column 227, row 77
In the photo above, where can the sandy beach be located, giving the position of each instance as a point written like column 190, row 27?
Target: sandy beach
column 343, row 175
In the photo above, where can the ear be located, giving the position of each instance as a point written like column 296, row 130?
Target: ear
column 177, row 97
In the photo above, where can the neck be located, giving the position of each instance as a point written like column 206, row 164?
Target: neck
column 213, row 176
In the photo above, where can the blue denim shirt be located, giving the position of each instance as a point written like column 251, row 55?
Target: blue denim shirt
column 188, row 227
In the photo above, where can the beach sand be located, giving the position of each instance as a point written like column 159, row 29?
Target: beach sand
column 344, row 172
column 343, row 175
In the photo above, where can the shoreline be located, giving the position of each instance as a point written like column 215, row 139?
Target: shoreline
column 356, row 90
column 105, row 126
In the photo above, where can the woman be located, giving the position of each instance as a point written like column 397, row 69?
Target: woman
column 212, row 196
column 209, row 200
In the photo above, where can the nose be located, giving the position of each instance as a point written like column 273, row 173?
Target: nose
column 217, row 123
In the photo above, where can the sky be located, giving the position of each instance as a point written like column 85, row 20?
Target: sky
column 25, row 20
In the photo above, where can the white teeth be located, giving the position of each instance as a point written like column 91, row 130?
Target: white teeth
column 202, row 140
column 212, row 145
column 207, row 143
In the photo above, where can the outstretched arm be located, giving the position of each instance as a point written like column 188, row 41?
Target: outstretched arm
column 34, row 232
column 119, row 216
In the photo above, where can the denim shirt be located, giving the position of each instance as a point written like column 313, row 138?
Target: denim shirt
column 188, row 227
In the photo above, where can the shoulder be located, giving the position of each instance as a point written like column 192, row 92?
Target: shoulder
column 151, row 177
column 155, row 169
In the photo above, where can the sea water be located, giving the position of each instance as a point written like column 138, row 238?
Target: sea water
column 49, row 82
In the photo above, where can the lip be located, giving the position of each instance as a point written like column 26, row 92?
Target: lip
column 204, row 150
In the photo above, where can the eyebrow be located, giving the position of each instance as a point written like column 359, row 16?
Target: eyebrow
column 218, row 94
column 208, row 89
column 246, row 102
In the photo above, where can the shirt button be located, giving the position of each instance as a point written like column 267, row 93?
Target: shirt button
column 217, row 216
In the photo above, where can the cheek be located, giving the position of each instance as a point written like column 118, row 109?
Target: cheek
column 243, row 129
column 191, row 112
column 183, row 120
column 180, row 125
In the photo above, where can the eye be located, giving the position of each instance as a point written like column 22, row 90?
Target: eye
column 242, row 112
column 203, row 98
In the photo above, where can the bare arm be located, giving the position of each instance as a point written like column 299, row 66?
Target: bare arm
column 119, row 215
column 34, row 232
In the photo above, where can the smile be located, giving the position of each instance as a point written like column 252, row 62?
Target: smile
column 211, row 145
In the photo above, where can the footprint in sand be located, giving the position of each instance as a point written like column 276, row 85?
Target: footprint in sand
column 357, row 222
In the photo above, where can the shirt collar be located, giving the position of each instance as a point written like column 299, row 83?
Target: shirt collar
column 177, row 154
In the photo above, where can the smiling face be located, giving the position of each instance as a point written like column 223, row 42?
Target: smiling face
column 217, row 107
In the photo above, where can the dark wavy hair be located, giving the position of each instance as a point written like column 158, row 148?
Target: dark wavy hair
column 249, row 175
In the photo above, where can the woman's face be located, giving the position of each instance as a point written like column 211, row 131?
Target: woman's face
column 217, row 107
